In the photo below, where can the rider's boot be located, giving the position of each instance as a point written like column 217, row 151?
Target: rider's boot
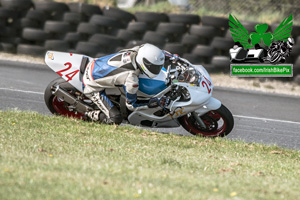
column 107, row 114
column 93, row 115
column 97, row 115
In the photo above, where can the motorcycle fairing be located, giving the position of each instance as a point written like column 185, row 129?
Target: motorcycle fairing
column 211, row 104
column 200, row 101
column 66, row 65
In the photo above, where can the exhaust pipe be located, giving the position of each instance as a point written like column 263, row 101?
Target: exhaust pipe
column 62, row 94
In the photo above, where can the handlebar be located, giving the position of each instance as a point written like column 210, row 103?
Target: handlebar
column 185, row 71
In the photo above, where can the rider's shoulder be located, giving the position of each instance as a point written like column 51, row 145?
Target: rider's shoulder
column 108, row 57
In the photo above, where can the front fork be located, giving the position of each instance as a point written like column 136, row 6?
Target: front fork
column 198, row 119
column 211, row 104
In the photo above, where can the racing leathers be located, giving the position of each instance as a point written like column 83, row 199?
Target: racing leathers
column 115, row 70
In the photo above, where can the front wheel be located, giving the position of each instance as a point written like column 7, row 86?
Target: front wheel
column 219, row 123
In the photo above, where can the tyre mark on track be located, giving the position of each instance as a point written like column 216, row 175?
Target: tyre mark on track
column 266, row 119
column 24, row 91
column 267, row 133
column 237, row 116
column 270, row 130
column 23, row 100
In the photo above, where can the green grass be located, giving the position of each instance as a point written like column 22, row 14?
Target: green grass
column 47, row 157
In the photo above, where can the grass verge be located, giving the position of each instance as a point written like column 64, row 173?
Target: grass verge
column 47, row 157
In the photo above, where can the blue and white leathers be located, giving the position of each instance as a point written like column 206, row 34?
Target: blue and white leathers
column 113, row 71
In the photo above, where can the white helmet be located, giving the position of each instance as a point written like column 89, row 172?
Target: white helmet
column 150, row 60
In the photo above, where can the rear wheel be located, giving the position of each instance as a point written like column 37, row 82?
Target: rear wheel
column 59, row 106
column 219, row 123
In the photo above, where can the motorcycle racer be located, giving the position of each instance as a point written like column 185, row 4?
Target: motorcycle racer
column 280, row 50
column 122, row 69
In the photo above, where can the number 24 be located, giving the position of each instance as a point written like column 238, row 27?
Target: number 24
column 69, row 75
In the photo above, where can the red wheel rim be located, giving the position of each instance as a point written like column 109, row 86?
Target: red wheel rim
column 61, row 108
column 189, row 125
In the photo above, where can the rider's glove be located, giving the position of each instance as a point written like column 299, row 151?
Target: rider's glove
column 171, row 57
column 174, row 57
column 162, row 102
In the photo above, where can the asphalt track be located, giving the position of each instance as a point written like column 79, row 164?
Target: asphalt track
column 259, row 117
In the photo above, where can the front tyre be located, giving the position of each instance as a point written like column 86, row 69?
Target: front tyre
column 56, row 105
column 219, row 123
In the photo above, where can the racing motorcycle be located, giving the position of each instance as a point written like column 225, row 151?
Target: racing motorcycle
column 189, row 88
column 280, row 50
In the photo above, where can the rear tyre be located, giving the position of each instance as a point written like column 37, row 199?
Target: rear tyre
column 58, row 106
column 219, row 123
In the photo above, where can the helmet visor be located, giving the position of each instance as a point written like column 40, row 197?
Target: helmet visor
column 154, row 69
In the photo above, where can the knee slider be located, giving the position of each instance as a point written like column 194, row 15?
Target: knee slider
column 115, row 115
column 117, row 119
